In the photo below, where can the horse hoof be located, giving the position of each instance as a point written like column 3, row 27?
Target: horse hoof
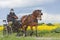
column 18, row 35
column 30, row 34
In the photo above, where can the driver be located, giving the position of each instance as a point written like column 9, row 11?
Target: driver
column 11, row 17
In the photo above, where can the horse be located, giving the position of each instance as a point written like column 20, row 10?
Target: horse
column 31, row 20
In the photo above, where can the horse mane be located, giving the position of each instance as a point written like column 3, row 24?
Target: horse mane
column 35, row 12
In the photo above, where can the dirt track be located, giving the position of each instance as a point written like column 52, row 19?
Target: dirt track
column 46, row 38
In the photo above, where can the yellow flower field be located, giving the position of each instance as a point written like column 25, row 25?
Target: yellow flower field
column 40, row 27
column 44, row 27
column 1, row 28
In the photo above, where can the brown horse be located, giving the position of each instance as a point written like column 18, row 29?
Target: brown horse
column 31, row 20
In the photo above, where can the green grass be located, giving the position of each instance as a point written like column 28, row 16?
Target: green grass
column 45, row 36
column 14, row 37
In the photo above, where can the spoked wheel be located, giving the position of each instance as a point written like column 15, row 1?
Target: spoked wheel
column 7, row 30
column 4, row 31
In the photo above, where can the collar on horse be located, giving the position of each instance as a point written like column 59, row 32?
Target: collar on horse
column 34, row 19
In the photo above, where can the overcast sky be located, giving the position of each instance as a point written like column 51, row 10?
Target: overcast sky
column 50, row 9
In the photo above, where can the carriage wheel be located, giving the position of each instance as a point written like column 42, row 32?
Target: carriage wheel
column 4, row 31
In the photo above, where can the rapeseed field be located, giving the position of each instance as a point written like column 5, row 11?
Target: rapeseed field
column 40, row 27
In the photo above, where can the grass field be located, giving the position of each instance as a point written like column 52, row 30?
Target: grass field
column 45, row 32
column 47, row 36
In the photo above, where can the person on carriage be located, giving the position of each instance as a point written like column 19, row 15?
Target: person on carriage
column 11, row 17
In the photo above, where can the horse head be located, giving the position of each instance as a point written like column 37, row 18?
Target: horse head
column 38, row 14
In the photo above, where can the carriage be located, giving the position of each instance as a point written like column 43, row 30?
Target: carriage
column 26, row 20
column 7, row 29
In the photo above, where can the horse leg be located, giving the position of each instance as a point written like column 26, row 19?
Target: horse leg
column 36, row 30
column 25, row 29
column 18, row 32
column 9, row 30
column 31, row 30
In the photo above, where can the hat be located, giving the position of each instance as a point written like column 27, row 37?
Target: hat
column 12, row 9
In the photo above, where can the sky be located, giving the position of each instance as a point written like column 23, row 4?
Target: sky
column 50, row 9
